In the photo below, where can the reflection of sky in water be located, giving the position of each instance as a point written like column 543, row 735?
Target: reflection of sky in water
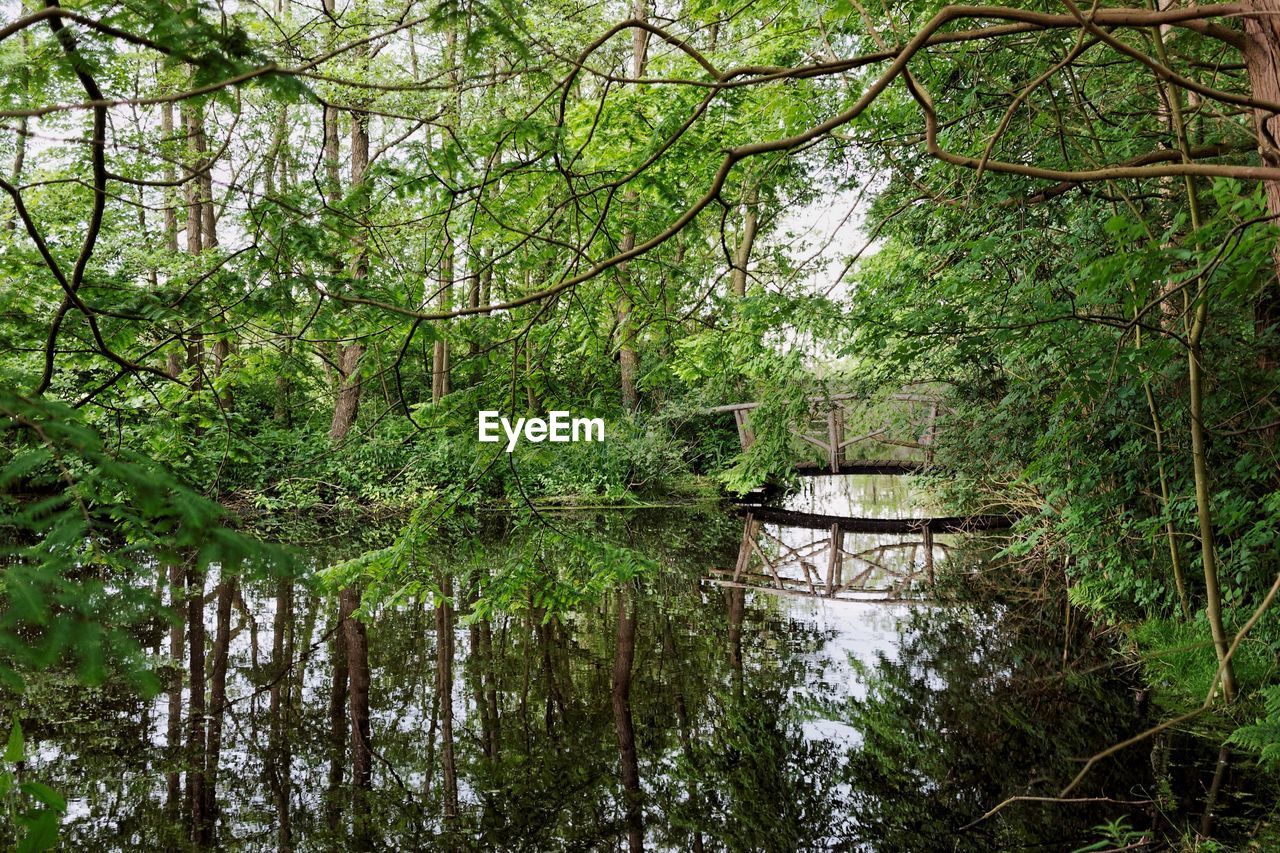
column 859, row 495
column 859, row 631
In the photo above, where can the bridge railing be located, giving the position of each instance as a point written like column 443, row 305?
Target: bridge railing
column 831, row 419
column 846, row 558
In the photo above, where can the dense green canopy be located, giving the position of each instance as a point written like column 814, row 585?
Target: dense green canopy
column 258, row 258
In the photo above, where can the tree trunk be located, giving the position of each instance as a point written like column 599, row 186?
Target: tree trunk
column 440, row 349
column 628, row 358
column 1208, row 554
column 348, row 405
column 489, row 696
column 20, row 131
column 361, row 738
column 737, row 603
column 221, row 352
column 170, row 175
column 208, row 228
column 1262, row 60
column 440, row 369
column 193, row 123
column 1196, row 319
column 280, row 745
column 333, row 180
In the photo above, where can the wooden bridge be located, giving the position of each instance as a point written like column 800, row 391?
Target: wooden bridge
column 840, row 425
column 839, row 557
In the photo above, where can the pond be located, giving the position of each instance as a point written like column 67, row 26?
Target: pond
column 686, row 711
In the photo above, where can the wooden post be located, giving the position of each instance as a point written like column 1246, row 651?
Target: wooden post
column 928, row 553
column 745, row 436
column 833, row 560
column 835, row 428
column 749, row 531
column 930, row 433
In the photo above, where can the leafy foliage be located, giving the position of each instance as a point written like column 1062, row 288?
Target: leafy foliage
column 85, row 530
column 1263, row 737
column 32, row 807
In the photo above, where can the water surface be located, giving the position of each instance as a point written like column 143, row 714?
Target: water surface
column 683, row 711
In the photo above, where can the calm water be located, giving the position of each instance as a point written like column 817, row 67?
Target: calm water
column 688, row 711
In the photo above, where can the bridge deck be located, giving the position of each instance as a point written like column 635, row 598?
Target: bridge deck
column 862, row 466
column 817, row 521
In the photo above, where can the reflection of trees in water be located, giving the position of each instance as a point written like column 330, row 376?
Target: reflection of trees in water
column 970, row 710
column 669, row 713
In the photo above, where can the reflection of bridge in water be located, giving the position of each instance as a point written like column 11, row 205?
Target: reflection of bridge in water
column 843, row 558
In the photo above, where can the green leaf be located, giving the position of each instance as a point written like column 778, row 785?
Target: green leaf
column 13, row 753
column 42, row 833
column 45, row 795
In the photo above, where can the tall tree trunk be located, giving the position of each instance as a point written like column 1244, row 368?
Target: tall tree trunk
column 23, row 125
column 1208, row 553
column 440, row 349
column 440, row 368
column 170, row 175
column 333, row 179
column 209, row 240
column 193, row 127
column 489, row 693
column 347, row 407
column 1262, row 60
column 628, row 358
column 1196, row 319
column 193, row 124
column 281, row 406
column 173, row 359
